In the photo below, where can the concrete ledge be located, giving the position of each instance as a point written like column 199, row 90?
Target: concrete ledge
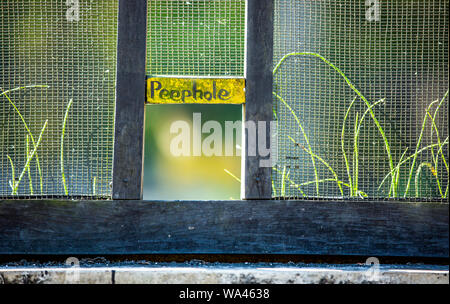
column 221, row 275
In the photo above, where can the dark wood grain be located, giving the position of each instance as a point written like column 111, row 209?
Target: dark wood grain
column 130, row 99
column 257, row 183
column 224, row 227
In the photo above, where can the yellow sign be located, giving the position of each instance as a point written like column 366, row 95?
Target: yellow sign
column 165, row 90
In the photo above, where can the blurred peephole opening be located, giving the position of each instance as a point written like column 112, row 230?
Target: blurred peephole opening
column 173, row 168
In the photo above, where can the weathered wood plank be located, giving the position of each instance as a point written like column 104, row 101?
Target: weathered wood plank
column 257, row 183
column 130, row 98
column 224, row 227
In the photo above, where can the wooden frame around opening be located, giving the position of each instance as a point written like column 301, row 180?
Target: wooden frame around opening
column 224, row 227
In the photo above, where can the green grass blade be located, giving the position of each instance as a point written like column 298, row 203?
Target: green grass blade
column 273, row 189
column 433, row 122
column 355, row 156
column 24, row 87
column 357, row 131
column 30, row 157
column 292, row 183
column 419, row 141
column 436, row 167
column 352, row 86
column 419, row 170
column 331, row 180
column 397, row 173
column 5, row 93
column 12, row 182
column 283, row 182
column 410, row 157
column 323, row 162
column 344, row 154
column 440, row 151
column 63, row 177
column 29, row 170
column 304, row 135
column 94, row 186
column 232, row 175
column 436, row 158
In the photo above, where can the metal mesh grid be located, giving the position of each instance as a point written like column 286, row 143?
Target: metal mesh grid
column 196, row 37
column 396, row 51
column 76, row 57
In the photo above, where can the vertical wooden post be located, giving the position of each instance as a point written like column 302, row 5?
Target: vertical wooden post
column 130, row 99
column 257, row 183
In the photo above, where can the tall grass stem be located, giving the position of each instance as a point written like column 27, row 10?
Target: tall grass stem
column 63, row 177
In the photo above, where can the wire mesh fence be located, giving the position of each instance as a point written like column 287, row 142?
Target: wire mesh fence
column 56, row 132
column 360, row 91
column 360, row 99
column 196, row 38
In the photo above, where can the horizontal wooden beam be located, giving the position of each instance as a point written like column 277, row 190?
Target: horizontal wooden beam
column 219, row 227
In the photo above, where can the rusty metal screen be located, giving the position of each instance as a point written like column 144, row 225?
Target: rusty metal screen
column 361, row 99
column 57, row 80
